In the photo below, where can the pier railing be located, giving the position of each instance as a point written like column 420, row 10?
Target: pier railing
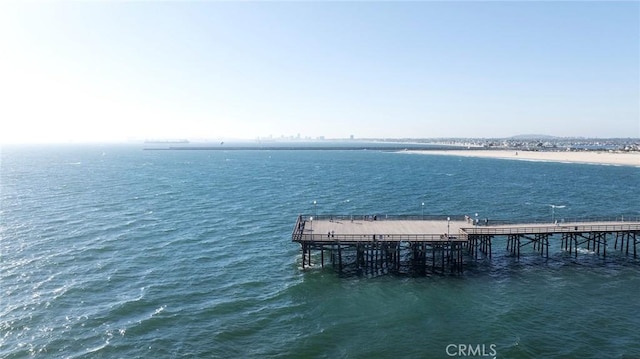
column 563, row 220
column 575, row 227
column 481, row 220
column 382, row 217
column 352, row 238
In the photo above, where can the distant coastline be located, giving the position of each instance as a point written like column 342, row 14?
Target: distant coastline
column 516, row 143
column 615, row 152
column 615, row 158
column 303, row 146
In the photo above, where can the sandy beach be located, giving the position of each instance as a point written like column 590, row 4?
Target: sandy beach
column 591, row 157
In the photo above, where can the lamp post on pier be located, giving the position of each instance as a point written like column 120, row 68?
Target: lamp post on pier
column 423, row 210
column 448, row 224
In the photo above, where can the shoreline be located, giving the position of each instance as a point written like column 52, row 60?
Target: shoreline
column 585, row 157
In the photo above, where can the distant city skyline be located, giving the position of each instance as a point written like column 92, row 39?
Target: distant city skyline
column 105, row 72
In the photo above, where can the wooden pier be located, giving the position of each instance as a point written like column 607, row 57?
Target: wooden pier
column 439, row 244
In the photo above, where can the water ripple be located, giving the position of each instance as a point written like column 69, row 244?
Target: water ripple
column 165, row 254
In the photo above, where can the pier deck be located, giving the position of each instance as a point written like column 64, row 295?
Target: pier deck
column 362, row 230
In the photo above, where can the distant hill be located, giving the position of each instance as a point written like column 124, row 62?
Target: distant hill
column 533, row 137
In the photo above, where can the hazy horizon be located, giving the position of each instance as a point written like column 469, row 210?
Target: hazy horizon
column 229, row 141
column 116, row 72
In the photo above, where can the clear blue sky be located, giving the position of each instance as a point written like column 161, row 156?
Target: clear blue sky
column 111, row 71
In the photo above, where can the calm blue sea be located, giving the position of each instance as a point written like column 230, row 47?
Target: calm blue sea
column 116, row 252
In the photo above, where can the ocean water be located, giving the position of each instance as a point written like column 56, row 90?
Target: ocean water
column 116, row 252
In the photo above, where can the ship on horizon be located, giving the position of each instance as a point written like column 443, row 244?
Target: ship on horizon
column 184, row 140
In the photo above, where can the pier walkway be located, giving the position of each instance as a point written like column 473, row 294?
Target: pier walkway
column 440, row 244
